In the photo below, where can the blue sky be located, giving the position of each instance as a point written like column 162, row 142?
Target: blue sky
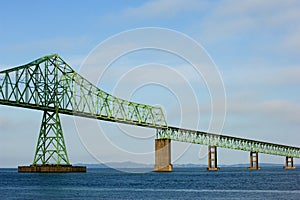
column 255, row 45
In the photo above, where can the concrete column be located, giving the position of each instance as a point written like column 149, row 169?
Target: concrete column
column 212, row 159
column 163, row 155
column 289, row 163
column 253, row 161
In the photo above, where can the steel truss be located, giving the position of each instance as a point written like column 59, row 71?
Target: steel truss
column 51, row 146
column 223, row 141
column 51, row 85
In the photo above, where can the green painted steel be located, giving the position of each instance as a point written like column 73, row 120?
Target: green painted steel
column 51, row 146
column 51, row 85
column 223, row 141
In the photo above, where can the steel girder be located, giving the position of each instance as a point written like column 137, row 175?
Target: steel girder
column 49, row 83
column 223, row 141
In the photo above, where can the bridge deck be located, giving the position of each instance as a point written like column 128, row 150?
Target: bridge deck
column 50, row 84
column 224, row 141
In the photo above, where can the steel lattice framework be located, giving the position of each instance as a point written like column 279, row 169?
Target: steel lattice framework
column 51, row 85
column 223, row 141
column 51, row 146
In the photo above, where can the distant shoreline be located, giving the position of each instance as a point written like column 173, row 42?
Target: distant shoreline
column 139, row 165
column 132, row 165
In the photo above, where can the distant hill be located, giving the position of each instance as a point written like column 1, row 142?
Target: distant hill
column 190, row 165
column 260, row 165
column 118, row 165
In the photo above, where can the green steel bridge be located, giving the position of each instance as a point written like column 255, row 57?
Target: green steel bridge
column 49, row 84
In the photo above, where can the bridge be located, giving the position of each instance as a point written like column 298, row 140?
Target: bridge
column 49, row 84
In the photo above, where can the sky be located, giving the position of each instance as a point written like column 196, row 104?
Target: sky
column 254, row 46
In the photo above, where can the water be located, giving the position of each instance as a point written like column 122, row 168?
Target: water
column 228, row 183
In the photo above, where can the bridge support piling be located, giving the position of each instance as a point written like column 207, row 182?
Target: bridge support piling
column 51, row 152
column 212, row 159
column 163, row 155
column 254, row 161
column 289, row 163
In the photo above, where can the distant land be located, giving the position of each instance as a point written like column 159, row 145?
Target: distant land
column 190, row 165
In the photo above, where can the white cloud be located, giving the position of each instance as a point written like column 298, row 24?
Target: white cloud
column 262, row 76
column 292, row 42
column 285, row 76
column 163, row 8
column 281, row 111
column 230, row 19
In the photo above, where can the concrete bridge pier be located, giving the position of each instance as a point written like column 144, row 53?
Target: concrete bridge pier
column 163, row 155
column 212, row 159
column 254, row 161
column 289, row 163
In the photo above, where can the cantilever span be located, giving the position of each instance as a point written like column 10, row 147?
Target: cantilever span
column 51, row 85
